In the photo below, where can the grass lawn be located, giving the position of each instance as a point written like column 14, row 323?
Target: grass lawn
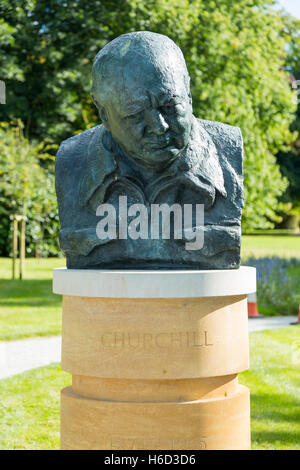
column 29, row 409
column 28, row 307
column 276, row 245
column 274, row 382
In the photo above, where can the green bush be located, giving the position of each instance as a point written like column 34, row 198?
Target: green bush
column 27, row 188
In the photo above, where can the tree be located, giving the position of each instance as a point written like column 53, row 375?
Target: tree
column 290, row 161
column 26, row 188
column 235, row 52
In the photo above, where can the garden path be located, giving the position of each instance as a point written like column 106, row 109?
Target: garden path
column 24, row 354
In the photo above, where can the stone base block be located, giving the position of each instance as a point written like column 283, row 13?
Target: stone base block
column 221, row 423
column 154, row 358
column 155, row 338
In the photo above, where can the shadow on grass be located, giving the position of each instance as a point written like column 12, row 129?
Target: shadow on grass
column 29, row 292
column 283, row 411
column 272, row 438
column 276, row 407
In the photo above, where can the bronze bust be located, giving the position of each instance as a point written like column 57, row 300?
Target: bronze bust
column 149, row 151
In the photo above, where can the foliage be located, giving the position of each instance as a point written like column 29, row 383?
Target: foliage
column 27, row 188
column 290, row 161
column 235, row 53
column 277, row 283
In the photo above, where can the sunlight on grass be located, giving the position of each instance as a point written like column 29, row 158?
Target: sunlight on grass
column 29, row 409
column 274, row 382
column 28, row 307
column 34, row 268
column 260, row 246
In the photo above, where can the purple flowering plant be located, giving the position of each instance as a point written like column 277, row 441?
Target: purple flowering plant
column 278, row 284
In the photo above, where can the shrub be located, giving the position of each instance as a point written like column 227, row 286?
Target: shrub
column 27, row 188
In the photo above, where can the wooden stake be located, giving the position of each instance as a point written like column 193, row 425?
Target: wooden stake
column 22, row 248
column 15, row 246
column 16, row 220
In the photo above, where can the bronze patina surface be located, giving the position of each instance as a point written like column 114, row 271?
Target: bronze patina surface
column 151, row 149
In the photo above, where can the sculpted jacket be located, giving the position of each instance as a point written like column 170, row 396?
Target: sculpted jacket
column 91, row 170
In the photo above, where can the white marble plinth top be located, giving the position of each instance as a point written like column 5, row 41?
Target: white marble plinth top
column 154, row 284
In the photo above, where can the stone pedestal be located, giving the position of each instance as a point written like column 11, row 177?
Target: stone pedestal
column 154, row 358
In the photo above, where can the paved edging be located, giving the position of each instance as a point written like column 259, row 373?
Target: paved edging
column 269, row 323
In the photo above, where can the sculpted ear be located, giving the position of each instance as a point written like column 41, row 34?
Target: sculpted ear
column 103, row 116
column 101, row 110
column 94, row 100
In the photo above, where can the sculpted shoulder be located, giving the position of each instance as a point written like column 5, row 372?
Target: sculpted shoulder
column 76, row 146
column 223, row 135
column 228, row 141
column 223, row 132
column 70, row 162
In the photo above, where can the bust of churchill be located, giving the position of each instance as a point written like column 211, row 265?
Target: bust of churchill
column 152, row 187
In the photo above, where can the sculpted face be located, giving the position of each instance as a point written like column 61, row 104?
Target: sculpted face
column 152, row 121
column 148, row 107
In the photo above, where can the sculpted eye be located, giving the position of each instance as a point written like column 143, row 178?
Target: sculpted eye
column 135, row 117
column 171, row 108
column 168, row 108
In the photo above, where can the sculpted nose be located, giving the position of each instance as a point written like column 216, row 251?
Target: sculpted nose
column 156, row 123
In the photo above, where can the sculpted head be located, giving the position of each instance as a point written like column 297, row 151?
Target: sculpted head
column 141, row 89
